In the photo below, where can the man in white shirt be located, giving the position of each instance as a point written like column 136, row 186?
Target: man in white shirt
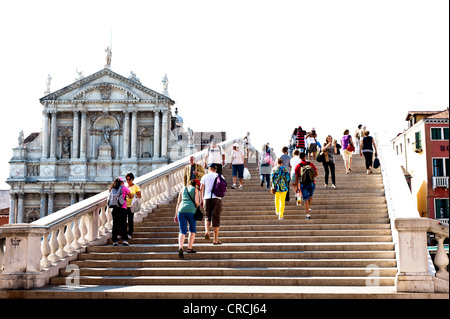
column 213, row 204
column 215, row 155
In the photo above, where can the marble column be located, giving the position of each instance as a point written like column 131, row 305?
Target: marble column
column 134, row 135
column 51, row 207
column 83, row 135
column 156, row 143
column 76, row 133
column 45, row 134
column 53, row 136
column 12, row 208
column 20, row 209
column 164, row 137
column 43, row 208
column 126, row 135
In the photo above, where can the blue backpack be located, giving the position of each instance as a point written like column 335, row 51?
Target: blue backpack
column 219, row 187
column 115, row 198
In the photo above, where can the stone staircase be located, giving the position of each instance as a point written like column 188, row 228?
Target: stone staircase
column 345, row 250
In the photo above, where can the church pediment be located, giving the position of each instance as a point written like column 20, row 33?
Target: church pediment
column 105, row 85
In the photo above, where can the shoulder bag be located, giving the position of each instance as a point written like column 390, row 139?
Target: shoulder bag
column 198, row 212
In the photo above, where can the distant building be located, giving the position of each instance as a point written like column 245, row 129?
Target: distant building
column 423, row 150
column 101, row 126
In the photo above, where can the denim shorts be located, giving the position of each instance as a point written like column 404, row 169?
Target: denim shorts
column 307, row 190
column 184, row 219
column 238, row 170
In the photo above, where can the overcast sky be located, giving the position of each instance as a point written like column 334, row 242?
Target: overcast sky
column 235, row 66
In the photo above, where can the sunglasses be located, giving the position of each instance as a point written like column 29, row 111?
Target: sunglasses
column 128, row 179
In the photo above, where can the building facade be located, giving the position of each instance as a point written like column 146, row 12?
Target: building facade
column 99, row 127
column 423, row 150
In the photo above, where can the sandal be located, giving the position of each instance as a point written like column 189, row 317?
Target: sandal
column 180, row 253
column 218, row 243
column 207, row 236
column 191, row 251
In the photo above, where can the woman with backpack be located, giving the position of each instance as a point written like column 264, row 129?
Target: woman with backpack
column 188, row 201
column 280, row 183
column 266, row 162
column 118, row 193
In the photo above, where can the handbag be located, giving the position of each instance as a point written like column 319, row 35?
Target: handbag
column 321, row 157
column 198, row 212
column 376, row 162
column 350, row 147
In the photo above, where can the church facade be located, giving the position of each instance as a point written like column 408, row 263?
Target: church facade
column 99, row 127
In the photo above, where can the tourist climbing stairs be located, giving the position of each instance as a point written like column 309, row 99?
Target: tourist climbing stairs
column 346, row 248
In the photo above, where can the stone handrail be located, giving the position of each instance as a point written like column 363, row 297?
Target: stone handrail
column 416, row 272
column 30, row 254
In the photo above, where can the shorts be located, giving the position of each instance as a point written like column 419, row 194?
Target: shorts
column 238, row 170
column 307, row 190
column 312, row 148
column 213, row 210
column 184, row 219
column 346, row 155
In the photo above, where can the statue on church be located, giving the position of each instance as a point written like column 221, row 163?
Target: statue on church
column 106, row 134
column 165, row 82
column 133, row 77
column 20, row 139
column 80, row 75
column 66, row 147
column 108, row 57
column 49, row 80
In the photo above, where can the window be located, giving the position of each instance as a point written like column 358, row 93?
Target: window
column 440, row 166
column 441, row 208
column 418, row 140
column 439, row 133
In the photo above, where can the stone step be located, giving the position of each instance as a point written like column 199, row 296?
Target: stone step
column 236, row 271
column 273, row 233
column 171, row 253
column 280, row 227
column 271, row 239
column 229, row 280
column 198, row 263
column 257, row 247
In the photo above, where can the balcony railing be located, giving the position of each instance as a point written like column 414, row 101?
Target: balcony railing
column 440, row 181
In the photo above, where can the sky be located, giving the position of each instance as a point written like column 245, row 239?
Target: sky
column 263, row 67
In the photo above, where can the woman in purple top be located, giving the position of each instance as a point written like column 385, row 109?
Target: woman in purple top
column 347, row 155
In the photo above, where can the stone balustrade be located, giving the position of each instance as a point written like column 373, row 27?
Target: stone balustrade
column 409, row 230
column 32, row 253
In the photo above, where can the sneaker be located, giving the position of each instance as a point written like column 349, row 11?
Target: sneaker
column 129, row 236
column 115, row 243
column 180, row 253
column 326, row 186
column 333, row 186
column 308, row 216
column 241, row 186
column 233, row 186
column 125, row 243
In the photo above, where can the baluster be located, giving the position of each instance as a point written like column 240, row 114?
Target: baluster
column 83, row 230
column 441, row 258
column 45, row 250
column 69, row 238
column 76, row 234
column 102, row 228
column 61, row 242
column 53, row 243
column 144, row 198
column 153, row 194
column 108, row 224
